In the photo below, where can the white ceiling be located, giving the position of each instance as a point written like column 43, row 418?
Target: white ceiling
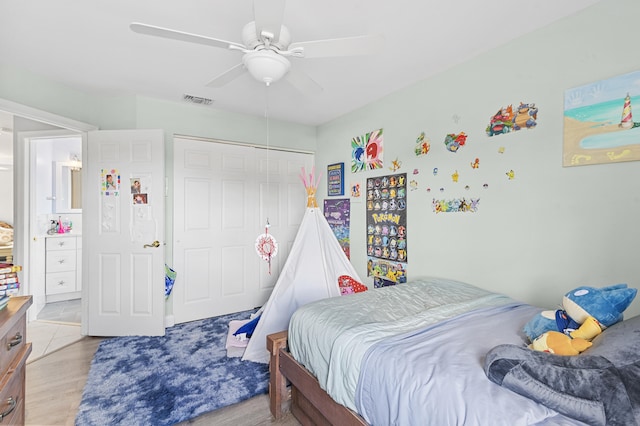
column 88, row 45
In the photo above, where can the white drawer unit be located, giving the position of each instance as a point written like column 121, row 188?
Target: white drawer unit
column 62, row 279
column 61, row 243
column 61, row 260
column 60, row 282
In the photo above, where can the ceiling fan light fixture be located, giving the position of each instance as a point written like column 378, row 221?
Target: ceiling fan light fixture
column 266, row 66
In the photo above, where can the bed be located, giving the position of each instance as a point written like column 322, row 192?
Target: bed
column 433, row 351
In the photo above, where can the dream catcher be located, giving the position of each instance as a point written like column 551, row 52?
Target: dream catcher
column 267, row 246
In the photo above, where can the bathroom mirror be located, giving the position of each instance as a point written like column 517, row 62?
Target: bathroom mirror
column 68, row 188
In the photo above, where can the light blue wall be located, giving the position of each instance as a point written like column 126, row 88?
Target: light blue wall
column 31, row 90
column 551, row 228
column 137, row 112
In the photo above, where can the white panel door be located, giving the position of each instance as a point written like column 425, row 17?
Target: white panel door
column 222, row 199
column 123, row 233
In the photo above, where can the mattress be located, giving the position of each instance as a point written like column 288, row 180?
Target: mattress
column 403, row 354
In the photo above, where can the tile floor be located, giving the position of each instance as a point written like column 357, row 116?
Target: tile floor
column 66, row 312
column 57, row 326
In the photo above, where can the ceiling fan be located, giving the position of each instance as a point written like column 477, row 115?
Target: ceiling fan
column 266, row 46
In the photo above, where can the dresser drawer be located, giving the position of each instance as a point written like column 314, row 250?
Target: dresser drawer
column 14, row 352
column 12, row 390
column 61, row 243
column 12, row 343
column 60, row 282
column 63, row 260
column 12, row 393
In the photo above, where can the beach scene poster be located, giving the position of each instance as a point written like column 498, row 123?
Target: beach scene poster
column 598, row 122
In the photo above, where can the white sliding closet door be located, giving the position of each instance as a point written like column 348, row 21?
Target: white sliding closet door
column 222, row 199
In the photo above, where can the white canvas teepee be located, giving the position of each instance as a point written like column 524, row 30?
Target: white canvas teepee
column 311, row 273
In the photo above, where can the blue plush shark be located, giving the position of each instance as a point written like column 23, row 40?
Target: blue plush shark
column 605, row 304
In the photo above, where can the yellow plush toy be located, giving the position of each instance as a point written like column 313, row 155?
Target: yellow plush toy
column 560, row 344
column 589, row 329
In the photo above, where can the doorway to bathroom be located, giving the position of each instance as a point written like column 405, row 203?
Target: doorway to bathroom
column 55, row 218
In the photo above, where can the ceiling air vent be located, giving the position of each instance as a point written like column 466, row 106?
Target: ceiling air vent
column 197, row 99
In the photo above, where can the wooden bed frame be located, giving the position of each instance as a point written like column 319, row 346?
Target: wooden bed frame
column 309, row 403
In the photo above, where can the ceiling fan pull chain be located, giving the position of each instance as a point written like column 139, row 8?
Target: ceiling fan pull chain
column 266, row 244
column 266, row 114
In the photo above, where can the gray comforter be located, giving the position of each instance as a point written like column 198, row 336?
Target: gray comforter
column 601, row 386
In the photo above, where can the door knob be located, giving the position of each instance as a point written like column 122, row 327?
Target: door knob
column 153, row 244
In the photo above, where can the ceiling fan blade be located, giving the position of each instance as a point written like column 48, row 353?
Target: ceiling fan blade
column 227, row 76
column 348, row 46
column 181, row 36
column 268, row 15
column 303, row 82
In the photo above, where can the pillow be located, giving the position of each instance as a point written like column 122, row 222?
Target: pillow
column 349, row 286
column 599, row 386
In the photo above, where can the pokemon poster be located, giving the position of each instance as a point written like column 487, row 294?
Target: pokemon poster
column 387, row 229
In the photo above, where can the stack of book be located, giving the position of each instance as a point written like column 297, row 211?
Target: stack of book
column 9, row 282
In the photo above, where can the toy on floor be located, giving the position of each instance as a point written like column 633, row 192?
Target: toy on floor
column 586, row 312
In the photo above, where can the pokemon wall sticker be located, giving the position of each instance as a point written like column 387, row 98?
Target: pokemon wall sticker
column 395, row 165
column 453, row 141
column 526, row 116
column 507, row 120
column 456, row 205
column 423, row 145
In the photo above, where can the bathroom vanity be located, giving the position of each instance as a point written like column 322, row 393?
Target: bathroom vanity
column 63, row 267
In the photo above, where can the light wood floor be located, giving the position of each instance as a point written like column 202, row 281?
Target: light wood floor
column 55, row 383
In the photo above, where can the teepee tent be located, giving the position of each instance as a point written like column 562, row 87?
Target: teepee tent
column 310, row 273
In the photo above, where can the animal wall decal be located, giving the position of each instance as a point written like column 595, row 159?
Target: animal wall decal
column 507, row 120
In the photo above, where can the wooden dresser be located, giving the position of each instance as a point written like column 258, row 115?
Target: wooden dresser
column 14, row 351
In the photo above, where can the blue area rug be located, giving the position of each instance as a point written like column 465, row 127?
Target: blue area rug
column 166, row 380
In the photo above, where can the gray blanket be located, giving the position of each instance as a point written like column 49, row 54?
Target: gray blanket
column 601, row 386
